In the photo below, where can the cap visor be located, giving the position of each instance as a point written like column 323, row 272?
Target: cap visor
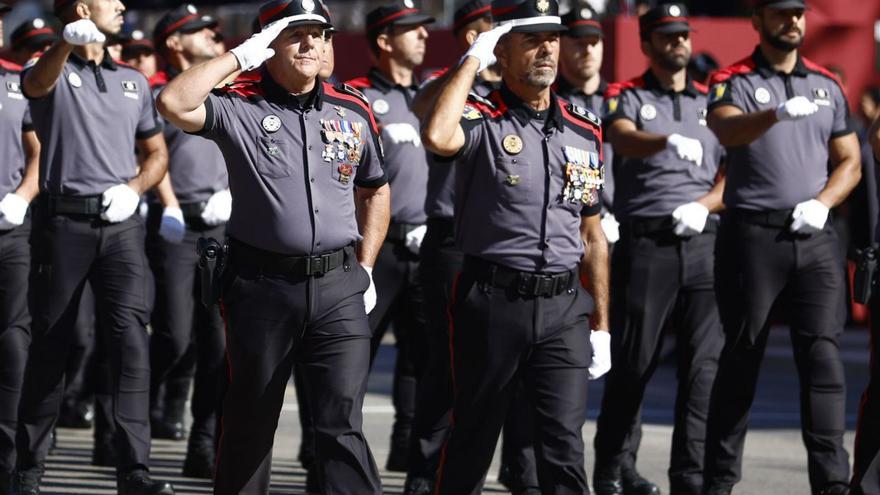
column 304, row 22
column 786, row 4
column 584, row 31
column 38, row 40
column 198, row 25
column 673, row 27
column 413, row 20
column 540, row 28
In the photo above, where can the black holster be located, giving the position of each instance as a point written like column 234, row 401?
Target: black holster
column 863, row 280
column 212, row 259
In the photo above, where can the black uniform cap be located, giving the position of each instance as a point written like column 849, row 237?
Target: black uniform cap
column 35, row 32
column 302, row 11
column 403, row 13
column 528, row 16
column 135, row 42
column 582, row 21
column 469, row 12
column 185, row 18
column 781, row 4
column 667, row 18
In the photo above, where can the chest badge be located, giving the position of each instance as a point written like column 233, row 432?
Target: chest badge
column 271, row 123
column 762, row 95
column 648, row 112
column 513, row 144
column 74, row 80
column 130, row 89
column 821, row 97
column 381, row 107
column 512, row 180
column 13, row 90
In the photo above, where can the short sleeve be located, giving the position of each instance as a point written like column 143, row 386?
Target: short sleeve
column 622, row 106
column 371, row 169
column 472, row 123
column 726, row 92
column 149, row 122
column 593, row 209
column 842, row 122
column 27, row 123
column 217, row 115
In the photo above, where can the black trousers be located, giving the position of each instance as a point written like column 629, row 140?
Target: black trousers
column 659, row 278
column 499, row 337
column 866, row 462
column 183, row 328
column 761, row 267
column 15, row 337
column 399, row 303
column 67, row 251
column 318, row 323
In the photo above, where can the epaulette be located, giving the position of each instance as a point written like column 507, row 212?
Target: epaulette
column 474, row 97
column 9, row 66
column 584, row 114
column 476, row 106
column 349, row 89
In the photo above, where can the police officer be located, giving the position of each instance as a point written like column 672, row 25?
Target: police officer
column 662, row 269
column 30, row 37
column 580, row 82
column 791, row 157
column 396, row 34
column 18, row 186
column 193, row 201
column 528, row 170
column 90, row 113
column 140, row 53
column 295, row 147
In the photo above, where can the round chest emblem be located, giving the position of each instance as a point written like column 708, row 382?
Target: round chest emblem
column 381, row 107
column 74, row 80
column 308, row 5
column 762, row 95
column 512, row 144
column 648, row 112
column 271, row 123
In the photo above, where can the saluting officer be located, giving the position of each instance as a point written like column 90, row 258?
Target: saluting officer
column 195, row 202
column 662, row 269
column 397, row 37
column 18, row 186
column 791, row 158
column 295, row 148
column 528, row 174
column 90, row 113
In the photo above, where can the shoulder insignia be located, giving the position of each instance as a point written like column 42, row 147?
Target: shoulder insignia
column 471, row 113
column 475, row 98
column 585, row 114
column 349, row 89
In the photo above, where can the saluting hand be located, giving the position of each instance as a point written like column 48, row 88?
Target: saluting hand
column 483, row 48
column 83, row 32
column 255, row 50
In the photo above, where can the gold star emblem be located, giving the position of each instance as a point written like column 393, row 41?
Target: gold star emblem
column 543, row 6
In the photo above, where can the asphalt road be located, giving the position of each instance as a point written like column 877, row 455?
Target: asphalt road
column 775, row 459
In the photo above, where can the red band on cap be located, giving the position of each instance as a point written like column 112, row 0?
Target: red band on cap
column 668, row 20
column 467, row 17
column 385, row 20
column 174, row 27
column 504, row 10
column 31, row 34
column 265, row 16
column 586, row 22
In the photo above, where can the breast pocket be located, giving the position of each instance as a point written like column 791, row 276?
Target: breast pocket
column 515, row 179
column 274, row 159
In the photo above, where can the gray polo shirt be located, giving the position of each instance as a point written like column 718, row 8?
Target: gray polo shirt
column 654, row 186
column 788, row 164
column 440, row 197
column 594, row 103
column 293, row 163
column 15, row 118
column 88, row 126
column 406, row 164
column 523, row 181
column 195, row 164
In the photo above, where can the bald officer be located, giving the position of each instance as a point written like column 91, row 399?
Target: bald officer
column 397, row 37
column 18, row 186
column 663, row 266
column 792, row 157
column 299, row 235
column 90, row 113
column 528, row 170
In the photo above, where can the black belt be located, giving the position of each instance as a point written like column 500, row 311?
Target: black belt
column 269, row 263
column 647, row 226
column 773, row 218
column 524, row 283
column 193, row 210
column 443, row 226
column 398, row 231
column 75, row 205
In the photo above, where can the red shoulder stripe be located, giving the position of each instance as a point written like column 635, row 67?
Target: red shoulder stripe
column 597, row 131
column 359, row 82
column 331, row 91
column 437, row 73
column 702, row 88
column 615, row 89
column 10, row 66
column 250, row 76
column 744, row 66
column 813, row 66
column 246, row 89
column 159, row 79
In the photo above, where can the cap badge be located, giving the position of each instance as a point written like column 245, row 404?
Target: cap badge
column 271, row 123
column 674, row 11
column 409, row 4
column 308, row 5
column 648, row 112
column 543, row 6
column 381, row 107
column 39, row 23
column 74, row 80
column 191, row 9
column 586, row 13
column 137, row 35
column 512, row 144
column 762, row 95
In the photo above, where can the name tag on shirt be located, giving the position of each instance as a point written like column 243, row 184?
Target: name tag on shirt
column 130, row 90
column 13, row 90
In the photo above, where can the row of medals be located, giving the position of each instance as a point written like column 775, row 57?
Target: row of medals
column 342, row 142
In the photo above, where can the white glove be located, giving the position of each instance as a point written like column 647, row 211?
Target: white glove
column 255, row 50
column 600, row 340
column 690, row 219
column 796, row 108
column 809, row 217
column 13, row 208
column 173, row 227
column 219, row 208
column 402, row 133
column 686, row 148
column 83, row 32
column 611, row 227
column 370, row 294
column 414, row 239
column 483, row 48
column 119, row 202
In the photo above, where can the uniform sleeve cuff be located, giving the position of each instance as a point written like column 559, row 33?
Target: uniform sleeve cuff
column 373, row 183
column 719, row 104
column 27, row 128
column 148, row 134
column 209, row 118
column 592, row 210
column 845, row 132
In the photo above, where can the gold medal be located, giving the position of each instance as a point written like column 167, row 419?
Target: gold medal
column 512, row 180
column 512, row 144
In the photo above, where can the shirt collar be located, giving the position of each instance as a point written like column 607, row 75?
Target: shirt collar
column 107, row 63
column 385, row 85
column 277, row 94
column 767, row 71
column 523, row 113
column 653, row 84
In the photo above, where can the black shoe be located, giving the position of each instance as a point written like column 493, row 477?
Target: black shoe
column 608, row 482
column 163, row 430
column 5, row 483
column 199, row 463
column 306, row 455
column 418, row 486
column 635, row 484
column 27, row 481
column 835, row 489
column 140, row 483
column 397, row 458
column 76, row 414
column 104, row 452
